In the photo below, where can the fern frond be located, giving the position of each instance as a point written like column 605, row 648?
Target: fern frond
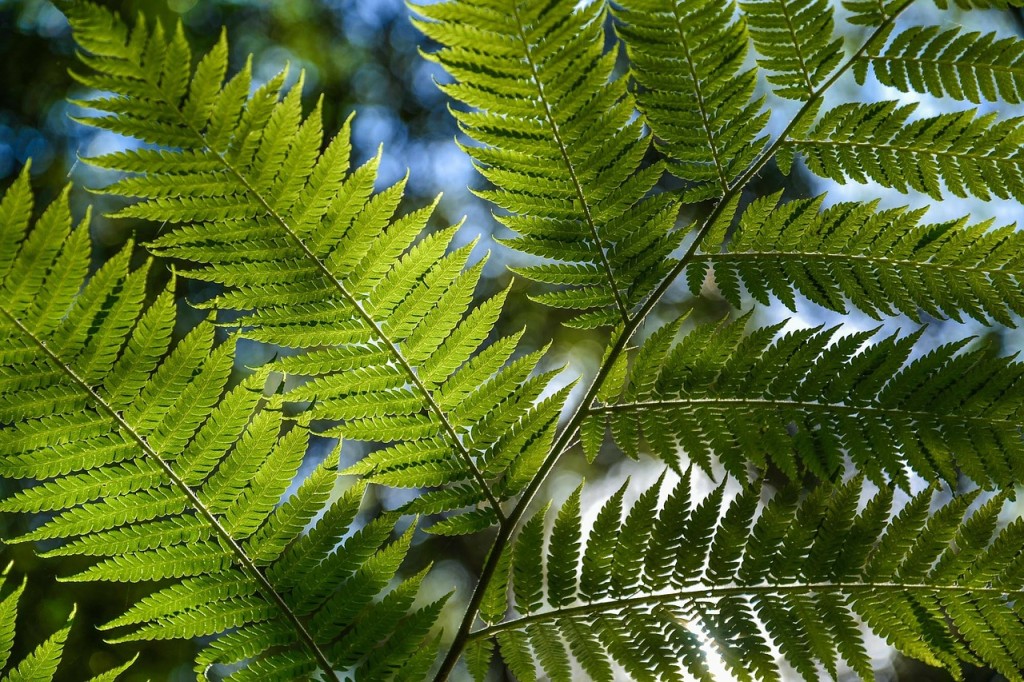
column 953, row 63
column 662, row 590
column 394, row 351
column 806, row 400
column 687, row 56
column 42, row 663
column 558, row 141
column 146, row 461
column 795, row 40
column 882, row 262
column 959, row 153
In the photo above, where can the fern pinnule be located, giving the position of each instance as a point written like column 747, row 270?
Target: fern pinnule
column 808, row 400
column 790, row 583
column 881, row 262
column 979, row 4
column 712, row 143
column 144, row 460
column 560, row 147
column 879, row 12
column 313, row 260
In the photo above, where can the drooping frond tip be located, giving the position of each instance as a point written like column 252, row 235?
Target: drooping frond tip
column 42, row 663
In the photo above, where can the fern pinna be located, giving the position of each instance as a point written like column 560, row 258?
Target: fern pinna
column 151, row 466
column 315, row 261
column 162, row 463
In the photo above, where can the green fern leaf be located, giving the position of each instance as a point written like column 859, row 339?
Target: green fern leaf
column 882, row 262
column 315, row 261
column 162, row 473
column 876, row 12
column 539, row 85
column 962, row 65
column 795, row 41
column 42, row 663
column 806, row 400
column 979, row 4
column 710, row 144
column 799, row 576
column 960, row 153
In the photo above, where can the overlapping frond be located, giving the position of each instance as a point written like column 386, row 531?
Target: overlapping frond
column 710, row 588
column 882, row 262
column 806, row 400
column 963, row 65
column 962, row 153
column 146, row 462
column 796, row 43
column 42, row 663
column 688, row 57
column 558, row 139
column 315, row 261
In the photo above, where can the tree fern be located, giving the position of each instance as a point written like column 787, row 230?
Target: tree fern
column 651, row 591
column 146, row 463
column 315, row 262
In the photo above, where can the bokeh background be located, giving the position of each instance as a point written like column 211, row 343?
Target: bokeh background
column 362, row 55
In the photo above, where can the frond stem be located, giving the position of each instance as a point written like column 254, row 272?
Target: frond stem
column 508, row 526
column 905, row 148
column 711, row 592
column 825, row 256
column 243, row 559
column 810, row 406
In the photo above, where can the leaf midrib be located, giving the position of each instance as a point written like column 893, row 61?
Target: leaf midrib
column 839, row 256
column 782, row 403
column 718, row 592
